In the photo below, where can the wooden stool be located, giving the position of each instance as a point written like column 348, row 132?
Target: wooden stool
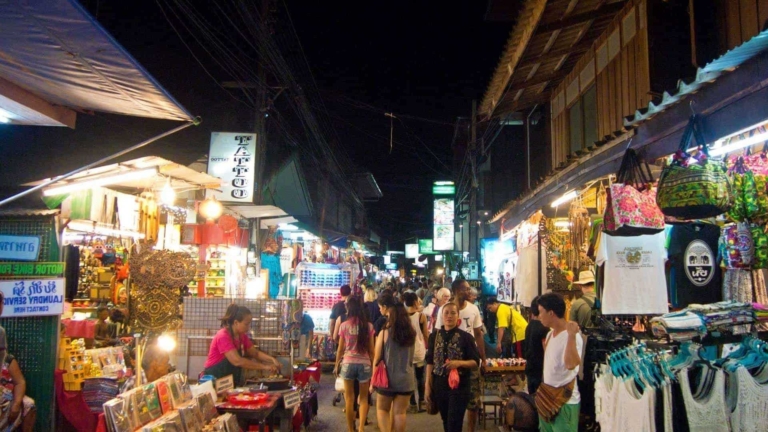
column 498, row 409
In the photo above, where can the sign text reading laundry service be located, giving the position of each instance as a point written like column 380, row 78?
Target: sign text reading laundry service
column 33, row 297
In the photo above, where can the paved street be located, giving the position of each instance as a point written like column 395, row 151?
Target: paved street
column 332, row 418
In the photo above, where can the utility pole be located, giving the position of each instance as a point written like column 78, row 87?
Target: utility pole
column 473, row 219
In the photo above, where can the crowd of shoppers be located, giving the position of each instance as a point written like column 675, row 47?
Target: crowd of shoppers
column 422, row 335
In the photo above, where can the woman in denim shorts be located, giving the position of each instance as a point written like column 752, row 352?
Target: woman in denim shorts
column 355, row 353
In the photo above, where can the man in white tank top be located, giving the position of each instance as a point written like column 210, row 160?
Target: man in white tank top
column 562, row 358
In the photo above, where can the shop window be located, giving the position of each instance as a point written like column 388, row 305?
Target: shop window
column 582, row 120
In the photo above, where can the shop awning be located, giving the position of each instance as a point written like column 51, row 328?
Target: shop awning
column 158, row 171
column 731, row 92
column 55, row 58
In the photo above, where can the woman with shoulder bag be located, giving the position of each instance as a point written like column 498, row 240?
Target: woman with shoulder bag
column 354, row 355
column 394, row 353
column 450, row 348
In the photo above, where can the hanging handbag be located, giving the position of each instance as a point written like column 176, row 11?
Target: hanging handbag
column 631, row 208
column 380, row 377
column 694, row 188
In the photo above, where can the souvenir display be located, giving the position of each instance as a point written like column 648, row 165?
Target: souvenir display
column 153, row 402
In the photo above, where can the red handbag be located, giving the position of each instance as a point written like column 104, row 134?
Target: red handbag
column 380, row 376
column 453, row 379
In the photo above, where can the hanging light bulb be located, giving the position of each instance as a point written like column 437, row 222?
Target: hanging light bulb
column 211, row 209
column 168, row 195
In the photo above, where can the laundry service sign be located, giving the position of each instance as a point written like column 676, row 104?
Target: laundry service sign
column 32, row 288
column 32, row 297
column 232, row 158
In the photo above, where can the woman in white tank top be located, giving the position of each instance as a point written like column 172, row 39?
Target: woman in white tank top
column 419, row 324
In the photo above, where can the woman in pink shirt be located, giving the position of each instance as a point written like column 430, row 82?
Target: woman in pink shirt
column 232, row 350
column 355, row 354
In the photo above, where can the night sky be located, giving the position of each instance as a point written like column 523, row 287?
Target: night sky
column 423, row 61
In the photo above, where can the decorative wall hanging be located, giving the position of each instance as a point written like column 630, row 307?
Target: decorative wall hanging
column 157, row 278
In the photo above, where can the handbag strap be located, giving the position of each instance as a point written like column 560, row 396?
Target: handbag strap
column 693, row 131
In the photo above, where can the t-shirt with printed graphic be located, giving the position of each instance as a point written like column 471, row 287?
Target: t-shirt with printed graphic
column 353, row 354
column 634, row 274
column 469, row 318
column 695, row 276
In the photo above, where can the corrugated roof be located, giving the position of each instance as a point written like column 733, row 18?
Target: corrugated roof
column 705, row 75
column 572, row 174
column 28, row 212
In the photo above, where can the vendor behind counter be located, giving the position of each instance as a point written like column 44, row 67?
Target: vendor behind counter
column 232, row 351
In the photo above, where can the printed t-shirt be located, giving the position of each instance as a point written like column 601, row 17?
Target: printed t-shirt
column 469, row 318
column 555, row 372
column 353, row 353
column 634, row 274
column 222, row 342
column 695, row 276
column 505, row 315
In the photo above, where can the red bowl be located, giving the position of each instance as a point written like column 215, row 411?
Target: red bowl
column 247, row 398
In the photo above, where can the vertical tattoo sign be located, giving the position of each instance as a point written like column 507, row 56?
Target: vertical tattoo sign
column 232, row 158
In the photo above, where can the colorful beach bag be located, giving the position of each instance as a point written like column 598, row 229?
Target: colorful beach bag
column 694, row 188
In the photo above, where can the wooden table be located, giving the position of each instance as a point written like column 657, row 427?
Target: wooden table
column 249, row 414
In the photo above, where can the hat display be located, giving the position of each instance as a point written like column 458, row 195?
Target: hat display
column 585, row 277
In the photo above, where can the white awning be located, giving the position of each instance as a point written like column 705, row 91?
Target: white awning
column 56, row 58
column 159, row 171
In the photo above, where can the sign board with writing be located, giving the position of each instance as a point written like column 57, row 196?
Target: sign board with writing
column 232, row 158
column 225, row 384
column 425, row 247
column 32, row 297
column 19, row 248
column 26, row 270
column 292, row 399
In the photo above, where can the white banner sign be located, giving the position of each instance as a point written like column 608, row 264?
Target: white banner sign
column 412, row 250
column 232, row 158
column 19, row 248
column 32, row 297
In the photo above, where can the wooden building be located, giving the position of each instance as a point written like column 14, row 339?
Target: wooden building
column 599, row 68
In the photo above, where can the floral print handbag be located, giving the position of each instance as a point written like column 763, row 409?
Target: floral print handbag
column 631, row 205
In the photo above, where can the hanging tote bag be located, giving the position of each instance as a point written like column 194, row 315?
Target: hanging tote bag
column 694, row 188
column 631, row 208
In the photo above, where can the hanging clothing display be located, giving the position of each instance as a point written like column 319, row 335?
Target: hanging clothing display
column 695, row 276
column 527, row 280
column 634, row 274
column 708, row 412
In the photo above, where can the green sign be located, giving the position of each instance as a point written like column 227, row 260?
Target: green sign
column 443, row 190
column 37, row 269
column 425, row 247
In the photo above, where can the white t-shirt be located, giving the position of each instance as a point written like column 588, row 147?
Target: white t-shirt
column 555, row 372
column 428, row 312
column 634, row 274
column 526, row 278
column 469, row 318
